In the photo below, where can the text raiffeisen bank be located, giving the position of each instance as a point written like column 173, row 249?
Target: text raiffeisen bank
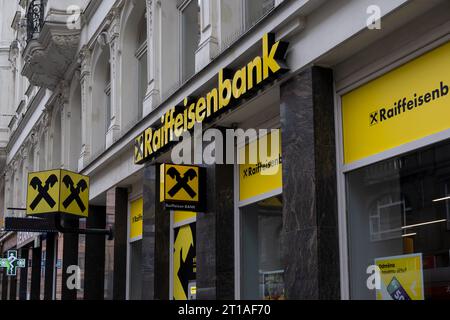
column 230, row 88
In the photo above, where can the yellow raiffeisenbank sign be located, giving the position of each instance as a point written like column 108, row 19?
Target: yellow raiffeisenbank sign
column 265, row 175
column 407, row 104
column 136, row 212
column 401, row 277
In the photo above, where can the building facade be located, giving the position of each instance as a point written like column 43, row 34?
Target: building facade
column 358, row 89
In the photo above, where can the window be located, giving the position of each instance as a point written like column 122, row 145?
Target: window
column 108, row 105
column 262, row 273
column 399, row 209
column 254, row 10
column 141, row 56
column 190, row 37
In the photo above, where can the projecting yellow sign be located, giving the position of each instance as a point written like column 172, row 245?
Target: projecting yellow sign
column 182, row 187
column 407, row 104
column 57, row 191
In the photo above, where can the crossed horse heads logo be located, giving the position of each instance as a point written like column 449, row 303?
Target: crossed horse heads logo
column 75, row 191
column 182, row 181
column 42, row 190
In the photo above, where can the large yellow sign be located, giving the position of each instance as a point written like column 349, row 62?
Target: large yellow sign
column 58, row 191
column 263, row 175
column 407, row 104
column 136, row 211
column 401, row 277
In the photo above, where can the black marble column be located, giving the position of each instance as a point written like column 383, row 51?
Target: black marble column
column 4, row 285
column 155, row 240
column 13, row 288
column 215, row 236
column 120, row 244
column 23, row 275
column 36, row 274
column 94, row 265
column 49, row 266
column 70, row 257
column 310, row 227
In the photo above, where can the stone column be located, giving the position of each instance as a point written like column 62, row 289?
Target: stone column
column 4, row 285
column 117, row 214
column 49, row 266
column 208, row 47
column 70, row 256
column 116, row 77
column 310, row 225
column 94, row 274
column 23, row 285
column 86, row 106
column 155, row 240
column 13, row 288
column 215, row 237
column 153, row 95
column 36, row 274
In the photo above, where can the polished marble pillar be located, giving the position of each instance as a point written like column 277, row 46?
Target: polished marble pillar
column 94, row 264
column 310, row 224
column 215, row 236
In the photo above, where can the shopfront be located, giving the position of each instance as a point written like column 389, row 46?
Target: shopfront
column 395, row 179
column 268, row 225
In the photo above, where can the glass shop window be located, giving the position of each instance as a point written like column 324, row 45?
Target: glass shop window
column 398, row 219
column 262, row 274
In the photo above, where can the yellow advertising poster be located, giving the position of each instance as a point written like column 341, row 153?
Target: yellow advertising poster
column 401, row 277
column 184, row 263
column 409, row 103
column 263, row 175
column 136, row 211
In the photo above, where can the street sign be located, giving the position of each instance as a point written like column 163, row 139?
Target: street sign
column 57, row 191
column 183, row 187
column 11, row 263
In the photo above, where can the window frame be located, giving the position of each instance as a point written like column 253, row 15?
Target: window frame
column 343, row 169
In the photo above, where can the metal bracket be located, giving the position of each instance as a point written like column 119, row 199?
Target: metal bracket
column 58, row 225
column 60, row 228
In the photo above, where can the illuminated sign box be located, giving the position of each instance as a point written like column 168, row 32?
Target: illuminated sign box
column 183, row 187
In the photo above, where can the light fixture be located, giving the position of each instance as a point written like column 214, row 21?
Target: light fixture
column 423, row 223
column 442, row 199
column 409, row 235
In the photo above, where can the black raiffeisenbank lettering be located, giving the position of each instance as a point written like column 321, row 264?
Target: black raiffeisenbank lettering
column 408, row 104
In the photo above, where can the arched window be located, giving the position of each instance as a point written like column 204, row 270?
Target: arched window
column 134, row 63
column 101, row 99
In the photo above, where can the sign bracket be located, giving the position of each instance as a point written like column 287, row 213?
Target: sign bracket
column 58, row 225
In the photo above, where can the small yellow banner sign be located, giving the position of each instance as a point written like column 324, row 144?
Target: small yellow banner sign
column 58, row 191
column 263, row 176
column 136, row 212
column 401, row 277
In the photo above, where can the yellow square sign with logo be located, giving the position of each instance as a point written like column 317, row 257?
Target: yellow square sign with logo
column 182, row 187
column 43, row 192
column 74, row 196
column 57, row 191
